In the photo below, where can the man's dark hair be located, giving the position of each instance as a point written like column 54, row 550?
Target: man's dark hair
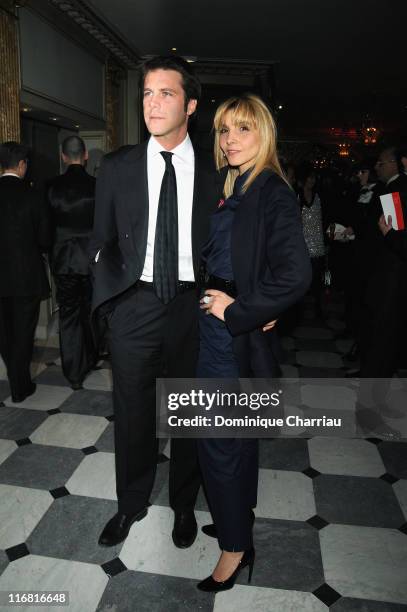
column 303, row 171
column 190, row 83
column 393, row 152
column 11, row 153
column 401, row 152
column 74, row 148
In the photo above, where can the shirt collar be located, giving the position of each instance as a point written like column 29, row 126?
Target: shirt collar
column 393, row 178
column 184, row 151
column 10, row 174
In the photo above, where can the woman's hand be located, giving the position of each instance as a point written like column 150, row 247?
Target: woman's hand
column 215, row 302
column 270, row 325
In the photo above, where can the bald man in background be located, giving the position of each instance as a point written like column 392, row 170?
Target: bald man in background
column 72, row 201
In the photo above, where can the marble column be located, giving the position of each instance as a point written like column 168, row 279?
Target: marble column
column 9, row 74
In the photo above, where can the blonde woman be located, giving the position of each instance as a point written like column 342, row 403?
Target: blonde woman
column 256, row 266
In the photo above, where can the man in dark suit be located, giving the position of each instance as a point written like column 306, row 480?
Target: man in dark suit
column 153, row 202
column 72, row 201
column 397, row 240
column 24, row 236
column 385, row 300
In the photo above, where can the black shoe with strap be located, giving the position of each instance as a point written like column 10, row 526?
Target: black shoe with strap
column 210, row 585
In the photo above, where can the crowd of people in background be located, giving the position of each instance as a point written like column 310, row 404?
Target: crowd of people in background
column 355, row 250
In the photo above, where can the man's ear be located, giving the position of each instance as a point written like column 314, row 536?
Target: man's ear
column 22, row 167
column 65, row 159
column 191, row 107
column 86, row 156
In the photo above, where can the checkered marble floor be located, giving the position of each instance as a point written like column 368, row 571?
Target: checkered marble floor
column 330, row 530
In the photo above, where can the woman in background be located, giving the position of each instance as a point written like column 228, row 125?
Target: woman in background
column 256, row 266
column 311, row 213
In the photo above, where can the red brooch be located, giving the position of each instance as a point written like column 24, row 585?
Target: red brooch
column 221, row 203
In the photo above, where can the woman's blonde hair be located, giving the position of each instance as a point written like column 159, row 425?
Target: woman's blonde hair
column 248, row 110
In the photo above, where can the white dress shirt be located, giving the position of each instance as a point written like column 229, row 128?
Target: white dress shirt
column 183, row 160
column 10, row 174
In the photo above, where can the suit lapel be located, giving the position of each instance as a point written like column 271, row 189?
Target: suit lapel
column 243, row 240
column 134, row 189
column 245, row 233
column 197, row 211
column 207, row 191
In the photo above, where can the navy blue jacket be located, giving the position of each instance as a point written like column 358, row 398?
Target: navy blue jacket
column 271, row 268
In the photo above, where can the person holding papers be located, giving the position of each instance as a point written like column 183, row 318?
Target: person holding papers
column 385, row 301
column 393, row 223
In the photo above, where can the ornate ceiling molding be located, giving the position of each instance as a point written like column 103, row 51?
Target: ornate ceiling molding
column 87, row 19
column 242, row 67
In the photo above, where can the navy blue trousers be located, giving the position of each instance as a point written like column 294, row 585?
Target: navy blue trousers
column 229, row 465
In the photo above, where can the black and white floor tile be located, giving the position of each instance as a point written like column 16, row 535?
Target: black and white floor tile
column 331, row 521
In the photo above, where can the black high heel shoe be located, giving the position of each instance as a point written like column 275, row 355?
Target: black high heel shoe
column 214, row 586
column 212, row 532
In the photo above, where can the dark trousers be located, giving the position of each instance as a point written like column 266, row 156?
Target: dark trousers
column 229, row 466
column 384, row 318
column 149, row 340
column 230, row 473
column 18, row 320
column 317, row 287
column 78, row 352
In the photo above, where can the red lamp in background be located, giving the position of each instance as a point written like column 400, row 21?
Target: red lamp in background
column 344, row 149
column 370, row 135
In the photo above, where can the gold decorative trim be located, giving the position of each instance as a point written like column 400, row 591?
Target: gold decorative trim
column 9, row 79
column 114, row 74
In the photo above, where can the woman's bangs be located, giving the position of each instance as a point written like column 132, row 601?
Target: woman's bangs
column 241, row 113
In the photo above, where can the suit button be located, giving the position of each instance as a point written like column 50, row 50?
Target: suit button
column 123, row 266
column 126, row 235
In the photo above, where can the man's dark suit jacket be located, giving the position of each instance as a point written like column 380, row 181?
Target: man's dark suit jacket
column 24, row 236
column 72, row 201
column 386, row 268
column 397, row 242
column 121, row 218
column 385, row 298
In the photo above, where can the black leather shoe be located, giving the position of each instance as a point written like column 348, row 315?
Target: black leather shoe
column 211, row 531
column 76, row 386
column 353, row 353
column 16, row 399
column 117, row 529
column 213, row 586
column 185, row 529
column 353, row 373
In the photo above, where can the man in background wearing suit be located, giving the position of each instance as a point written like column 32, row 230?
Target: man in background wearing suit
column 153, row 201
column 385, row 300
column 24, row 236
column 72, row 201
